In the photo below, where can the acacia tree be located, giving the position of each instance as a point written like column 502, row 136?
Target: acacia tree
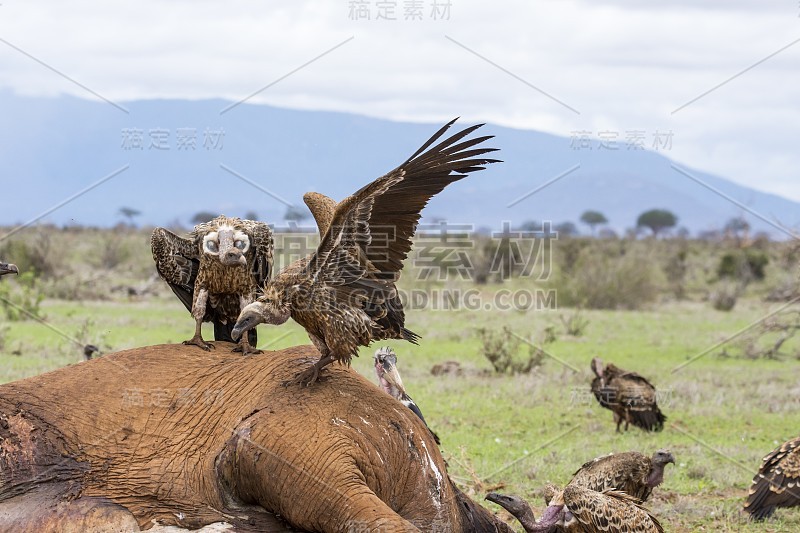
column 656, row 220
column 738, row 228
column 203, row 216
column 567, row 229
column 593, row 219
column 129, row 213
column 295, row 214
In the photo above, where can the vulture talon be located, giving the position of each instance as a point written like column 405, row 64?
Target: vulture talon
column 245, row 348
column 200, row 343
column 311, row 374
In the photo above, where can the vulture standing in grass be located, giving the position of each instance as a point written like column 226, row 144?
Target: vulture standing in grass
column 344, row 294
column 777, row 483
column 630, row 472
column 389, row 378
column 580, row 509
column 628, row 395
column 8, row 268
column 216, row 272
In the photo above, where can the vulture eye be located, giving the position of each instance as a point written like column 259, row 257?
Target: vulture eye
column 212, row 246
column 240, row 245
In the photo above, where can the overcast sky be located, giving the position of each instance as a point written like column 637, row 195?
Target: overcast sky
column 556, row 66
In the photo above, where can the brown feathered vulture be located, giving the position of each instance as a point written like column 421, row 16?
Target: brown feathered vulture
column 630, row 472
column 216, row 272
column 628, row 395
column 581, row 509
column 777, row 483
column 344, row 294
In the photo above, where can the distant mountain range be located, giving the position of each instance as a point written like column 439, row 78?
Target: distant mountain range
column 259, row 158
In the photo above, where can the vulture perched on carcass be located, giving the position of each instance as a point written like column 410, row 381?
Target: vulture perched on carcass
column 777, row 483
column 633, row 473
column 628, row 395
column 344, row 294
column 216, row 272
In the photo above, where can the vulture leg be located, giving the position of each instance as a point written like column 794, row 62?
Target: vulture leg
column 198, row 312
column 618, row 420
column 311, row 374
column 245, row 347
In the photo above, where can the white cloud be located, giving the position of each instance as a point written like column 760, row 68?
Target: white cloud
column 623, row 64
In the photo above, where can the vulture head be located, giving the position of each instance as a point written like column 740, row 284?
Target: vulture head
column 553, row 516
column 386, row 370
column 270, row 308
column 8, row 268
column 597, row 367
column 89, row 350
column 223, row 239
column 660, row 459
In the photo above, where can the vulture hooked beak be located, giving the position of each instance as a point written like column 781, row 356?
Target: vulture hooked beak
column 249, row 318
column 392, row 375
column 233, row 257
column 497, row 498
column 8, row 268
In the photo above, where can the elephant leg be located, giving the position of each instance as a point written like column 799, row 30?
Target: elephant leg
column 372, row 514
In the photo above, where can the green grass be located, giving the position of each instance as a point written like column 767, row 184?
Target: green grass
column 516, row 433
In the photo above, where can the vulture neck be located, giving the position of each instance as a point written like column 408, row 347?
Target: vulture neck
column 552, row 515
column 528, row 520
column 656, row 476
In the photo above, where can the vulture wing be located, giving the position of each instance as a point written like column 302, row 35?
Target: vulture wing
column 608, row 512
column 262, row 245
column 370, row 232
column 177, row 262
column 374, row 226
column 322, row 209
column 639, row 397
column 777, row 483
column 625, row 471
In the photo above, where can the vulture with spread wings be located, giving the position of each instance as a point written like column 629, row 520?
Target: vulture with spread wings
column 216, row 272
column 344, row 294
